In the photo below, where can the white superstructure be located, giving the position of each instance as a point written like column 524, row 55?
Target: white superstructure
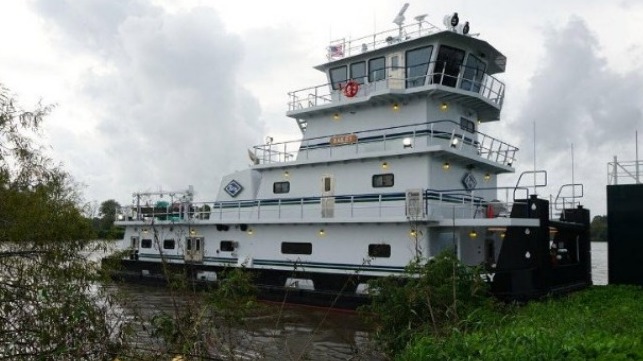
column 391, row 166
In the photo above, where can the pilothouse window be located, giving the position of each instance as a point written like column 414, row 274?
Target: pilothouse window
column 338, row 77
column 358, row 72
column 447, row 67
column 376, row 69
column 417, row 64
column 473, row 74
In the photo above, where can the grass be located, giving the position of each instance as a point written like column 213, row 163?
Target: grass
column 600, row 323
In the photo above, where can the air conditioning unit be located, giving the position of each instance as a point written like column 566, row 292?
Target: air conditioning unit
column 414, row 203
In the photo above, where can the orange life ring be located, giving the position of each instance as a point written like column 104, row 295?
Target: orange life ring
column 351, row 88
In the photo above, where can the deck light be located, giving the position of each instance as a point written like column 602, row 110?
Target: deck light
column 502, row 235
column 322, row 232
column 444, row 107
column 413, row 233
column 487, row 177
column 446, row 166
column 145, row 230
column 396, row 106
column 384, row 165
column 473, row 234
column 336, row 116
column 407, row 143
column 192, row 232
column 250, row 232
column 454, row 142
column 286, row 174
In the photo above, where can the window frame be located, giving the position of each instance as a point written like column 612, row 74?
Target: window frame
column 335, row 83
column 373, row 74
column 297, row 248
column 146, row 243
column 226, row 246
column 375, row 248
column 360, row 79
column 281, row 187
column 417, row 80
column 167, row 242
column 382, row 183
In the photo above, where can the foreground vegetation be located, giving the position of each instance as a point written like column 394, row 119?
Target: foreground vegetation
column 445, row 314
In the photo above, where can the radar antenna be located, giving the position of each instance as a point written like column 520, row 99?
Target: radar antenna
column 420, row 19
column 399, row 19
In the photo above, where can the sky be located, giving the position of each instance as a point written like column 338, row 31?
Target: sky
column 162, row 94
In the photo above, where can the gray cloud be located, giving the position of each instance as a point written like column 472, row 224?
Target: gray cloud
column 167, row 96
column 574, row 98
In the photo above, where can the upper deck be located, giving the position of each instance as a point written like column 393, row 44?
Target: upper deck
column 417, row 59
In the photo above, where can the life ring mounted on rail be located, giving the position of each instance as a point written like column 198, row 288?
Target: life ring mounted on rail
column 351, row 88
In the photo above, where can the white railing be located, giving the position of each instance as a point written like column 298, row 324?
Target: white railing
column 419, row 135
column 628, row 172
column 381, row 39
column 485, row 87
column 438, row 205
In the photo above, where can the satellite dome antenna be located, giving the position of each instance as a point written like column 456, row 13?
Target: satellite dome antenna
column 399, row 19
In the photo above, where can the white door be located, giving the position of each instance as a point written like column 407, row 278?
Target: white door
column 134, row 246
column 395, row 64
column 193, row 249
column 328, row 196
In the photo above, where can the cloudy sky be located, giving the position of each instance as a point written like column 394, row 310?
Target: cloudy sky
column 151, row 94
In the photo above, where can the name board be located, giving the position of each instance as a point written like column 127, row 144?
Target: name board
column 343, row 139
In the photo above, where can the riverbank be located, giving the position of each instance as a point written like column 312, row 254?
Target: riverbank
column 600, row 323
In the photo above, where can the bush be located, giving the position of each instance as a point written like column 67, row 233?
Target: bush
column 433, row 298
column 602, row 323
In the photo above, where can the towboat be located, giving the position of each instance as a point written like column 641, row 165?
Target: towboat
column 392, row 166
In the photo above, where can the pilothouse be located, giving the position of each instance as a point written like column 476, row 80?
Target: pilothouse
column 391, row 167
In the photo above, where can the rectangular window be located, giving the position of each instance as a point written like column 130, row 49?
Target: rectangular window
column 417, row 65
column 383, row 180
column 146, row 243
column 226, row 246
column 188, row 244
column 376, row 69
column 327, row 184
column 338, row 76
column 447, row 67
column 296, row 248
column 358, row 72
column 169, row 244
column 468, row 125
column 473, row 73
column 379, row 250
column 281, row 187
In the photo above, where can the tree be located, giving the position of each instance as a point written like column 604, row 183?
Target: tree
column 598, row 229
column 105, row 227
column 49, row 305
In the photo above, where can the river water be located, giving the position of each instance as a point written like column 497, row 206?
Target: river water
column 288, row 332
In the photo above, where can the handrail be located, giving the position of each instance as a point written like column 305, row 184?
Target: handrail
column 486, row 146
column 485, row 85
column 382, row 39
column 371, row 205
